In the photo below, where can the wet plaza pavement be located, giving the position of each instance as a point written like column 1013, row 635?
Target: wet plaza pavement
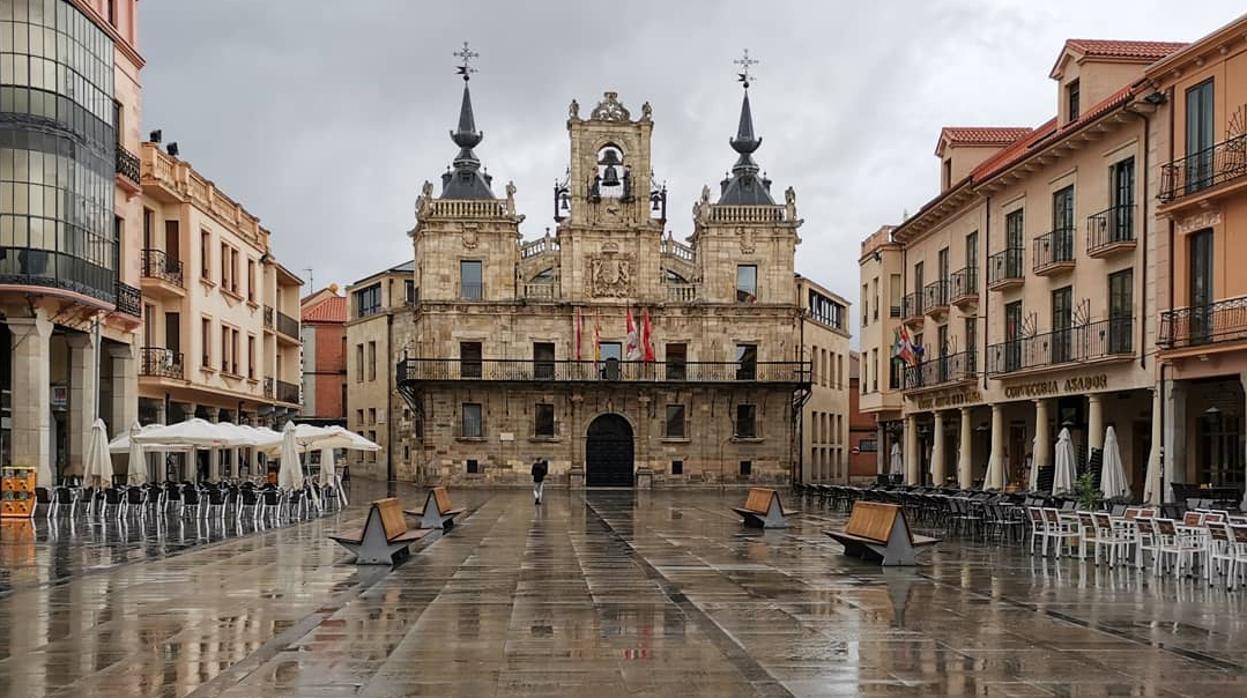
column 601, row 593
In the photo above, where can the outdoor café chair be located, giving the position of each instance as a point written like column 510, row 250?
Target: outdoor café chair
column 1062, row 530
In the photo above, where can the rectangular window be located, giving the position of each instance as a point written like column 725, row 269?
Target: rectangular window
column 234, row 353
column 677, row 361
column 1199, row 136
column 224, row 266
column 875, row 286
column 205, row 342
column 1062, row 318
column 471, row 286
column 372, row 415
column 409, row 291
column 609, row 356
column 1013, row 336
column 543, row 360
column 359, row 363
column 746, row 427
column 746, row 468
column 1072, row 98
column 972, row 251
column 225, row 345
column 233, row 270
column 469, row 359
column 1121, row 219
column 1013, row 230
column 746, row 362
column 368, row 301
column 205, row 255
column 874, row 363
column 865, row 306
column 474, row 467
column 675, row 421
column 895, row 291
column 472, row 427
column 372, row 361
column 746, row 283
column 1120, row 311
column 677, row 467
column 359, row 417
column 918, row 274
column 251, row 280
column 251, row 357
column 1201, row 285
column 947, row 174
column 545, row 421
column 972, row 340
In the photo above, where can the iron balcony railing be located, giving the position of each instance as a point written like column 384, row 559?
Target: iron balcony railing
column 1197, row 325
column 287, row 392
column 269, row 387
column 79, row 265
column 127, row 164
column 157, row 264
column 963, row 283
column 911, row 306
column 268, row 317
column 287, row 325
column 935, row 295
column 471, row 291
column 161, row 363
column 1094, row 340
column 939, row 370
column 570, row 371
column 1057, row 247
column 1224, row 162
column 1005, row 265
column 1110, row 227
column 129, row 300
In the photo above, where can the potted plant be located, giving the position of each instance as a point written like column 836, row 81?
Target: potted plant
column 1089, row 498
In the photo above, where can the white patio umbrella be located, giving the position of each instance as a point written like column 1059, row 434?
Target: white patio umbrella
column 137, row 474
column 306, row 437
column 290, row 474
column 897, row 465
column 1151, row 483
column 194, row 432
column 1112, row 474
column 98, row 466
column 326, row 467
column 1032, row 483
column 1066, row 473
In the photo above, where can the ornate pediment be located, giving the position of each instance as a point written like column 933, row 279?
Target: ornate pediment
column 609, row 109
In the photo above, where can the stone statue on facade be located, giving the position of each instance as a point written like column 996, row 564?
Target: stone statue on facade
column 790, row 203
column 510, row 198
column 647, row 112
column 425, row 200
column 573, row 110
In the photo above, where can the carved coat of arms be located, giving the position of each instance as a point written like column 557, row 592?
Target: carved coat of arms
column 611, row 276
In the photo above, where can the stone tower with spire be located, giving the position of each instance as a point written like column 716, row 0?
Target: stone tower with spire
column 619, row 354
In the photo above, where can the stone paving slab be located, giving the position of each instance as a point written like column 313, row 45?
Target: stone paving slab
column 594, row 593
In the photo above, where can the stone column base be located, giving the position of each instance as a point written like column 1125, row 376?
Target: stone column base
column 576, row 478
column 644, row 479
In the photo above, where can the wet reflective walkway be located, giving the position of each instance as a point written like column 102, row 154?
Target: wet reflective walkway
column 604, row 593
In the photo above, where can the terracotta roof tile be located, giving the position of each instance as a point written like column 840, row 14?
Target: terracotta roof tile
column 1140, row 50
column 331, row 309
column 987, row 135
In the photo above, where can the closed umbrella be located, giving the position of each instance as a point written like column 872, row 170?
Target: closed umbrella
column 290, row 475
column 326, row 467
column 1112, row 474
column 98, row 471
column 137, row 474
column 897, row 463
column 1063, row 480
column 1033, row 480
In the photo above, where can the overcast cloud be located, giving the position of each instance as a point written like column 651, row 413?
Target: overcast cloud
column 324, row 117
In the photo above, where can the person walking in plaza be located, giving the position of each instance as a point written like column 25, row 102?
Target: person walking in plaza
column 540, row 468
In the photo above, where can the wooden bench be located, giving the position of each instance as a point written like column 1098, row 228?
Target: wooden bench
column 762, row 508
column 438, row 512
column 879, row 532
column 384, row 538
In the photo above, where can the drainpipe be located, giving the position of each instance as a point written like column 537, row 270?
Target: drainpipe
column 986, row 304
column 800, row 415
column 1147, row 129
column 389, row 390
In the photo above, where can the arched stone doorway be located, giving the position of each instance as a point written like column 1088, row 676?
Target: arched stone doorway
column 608, row 452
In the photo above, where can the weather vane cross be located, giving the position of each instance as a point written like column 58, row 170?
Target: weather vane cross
column 465, row 54
column 744, row 62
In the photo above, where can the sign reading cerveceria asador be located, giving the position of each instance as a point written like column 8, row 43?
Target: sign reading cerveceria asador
column 1075, row 384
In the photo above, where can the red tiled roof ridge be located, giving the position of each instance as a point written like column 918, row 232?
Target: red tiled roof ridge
column 991, row 133
column 330, row 309
column 1125, row 48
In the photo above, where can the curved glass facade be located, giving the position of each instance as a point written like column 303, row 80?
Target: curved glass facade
column 57, row 149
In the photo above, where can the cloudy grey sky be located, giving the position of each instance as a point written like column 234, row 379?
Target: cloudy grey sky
column 324, row 117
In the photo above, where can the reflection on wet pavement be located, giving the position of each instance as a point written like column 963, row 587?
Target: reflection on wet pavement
column 608, row 593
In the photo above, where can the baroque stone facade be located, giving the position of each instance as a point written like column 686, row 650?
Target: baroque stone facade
column 619, row 354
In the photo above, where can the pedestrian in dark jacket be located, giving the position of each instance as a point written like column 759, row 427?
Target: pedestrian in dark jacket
column 540, row 468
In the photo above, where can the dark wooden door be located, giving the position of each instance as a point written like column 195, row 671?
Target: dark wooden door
column 608, row 452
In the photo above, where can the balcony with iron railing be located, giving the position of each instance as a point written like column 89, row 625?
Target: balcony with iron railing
column 287, row 392
column 1054, row 252
column 935, row 298
column 127, row 164
column 1093, row 341
column 1222, row 322
column 940, row 371
column 74, row 261
column 159, row 266
column 794, row 373
column 158, row 362
column 911, row 308
column 963, row 286
column 1004, row 269
column 1205, row 171
column 1110, row 231
column 287, row 326
column 129, row 300
column 471, row 291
